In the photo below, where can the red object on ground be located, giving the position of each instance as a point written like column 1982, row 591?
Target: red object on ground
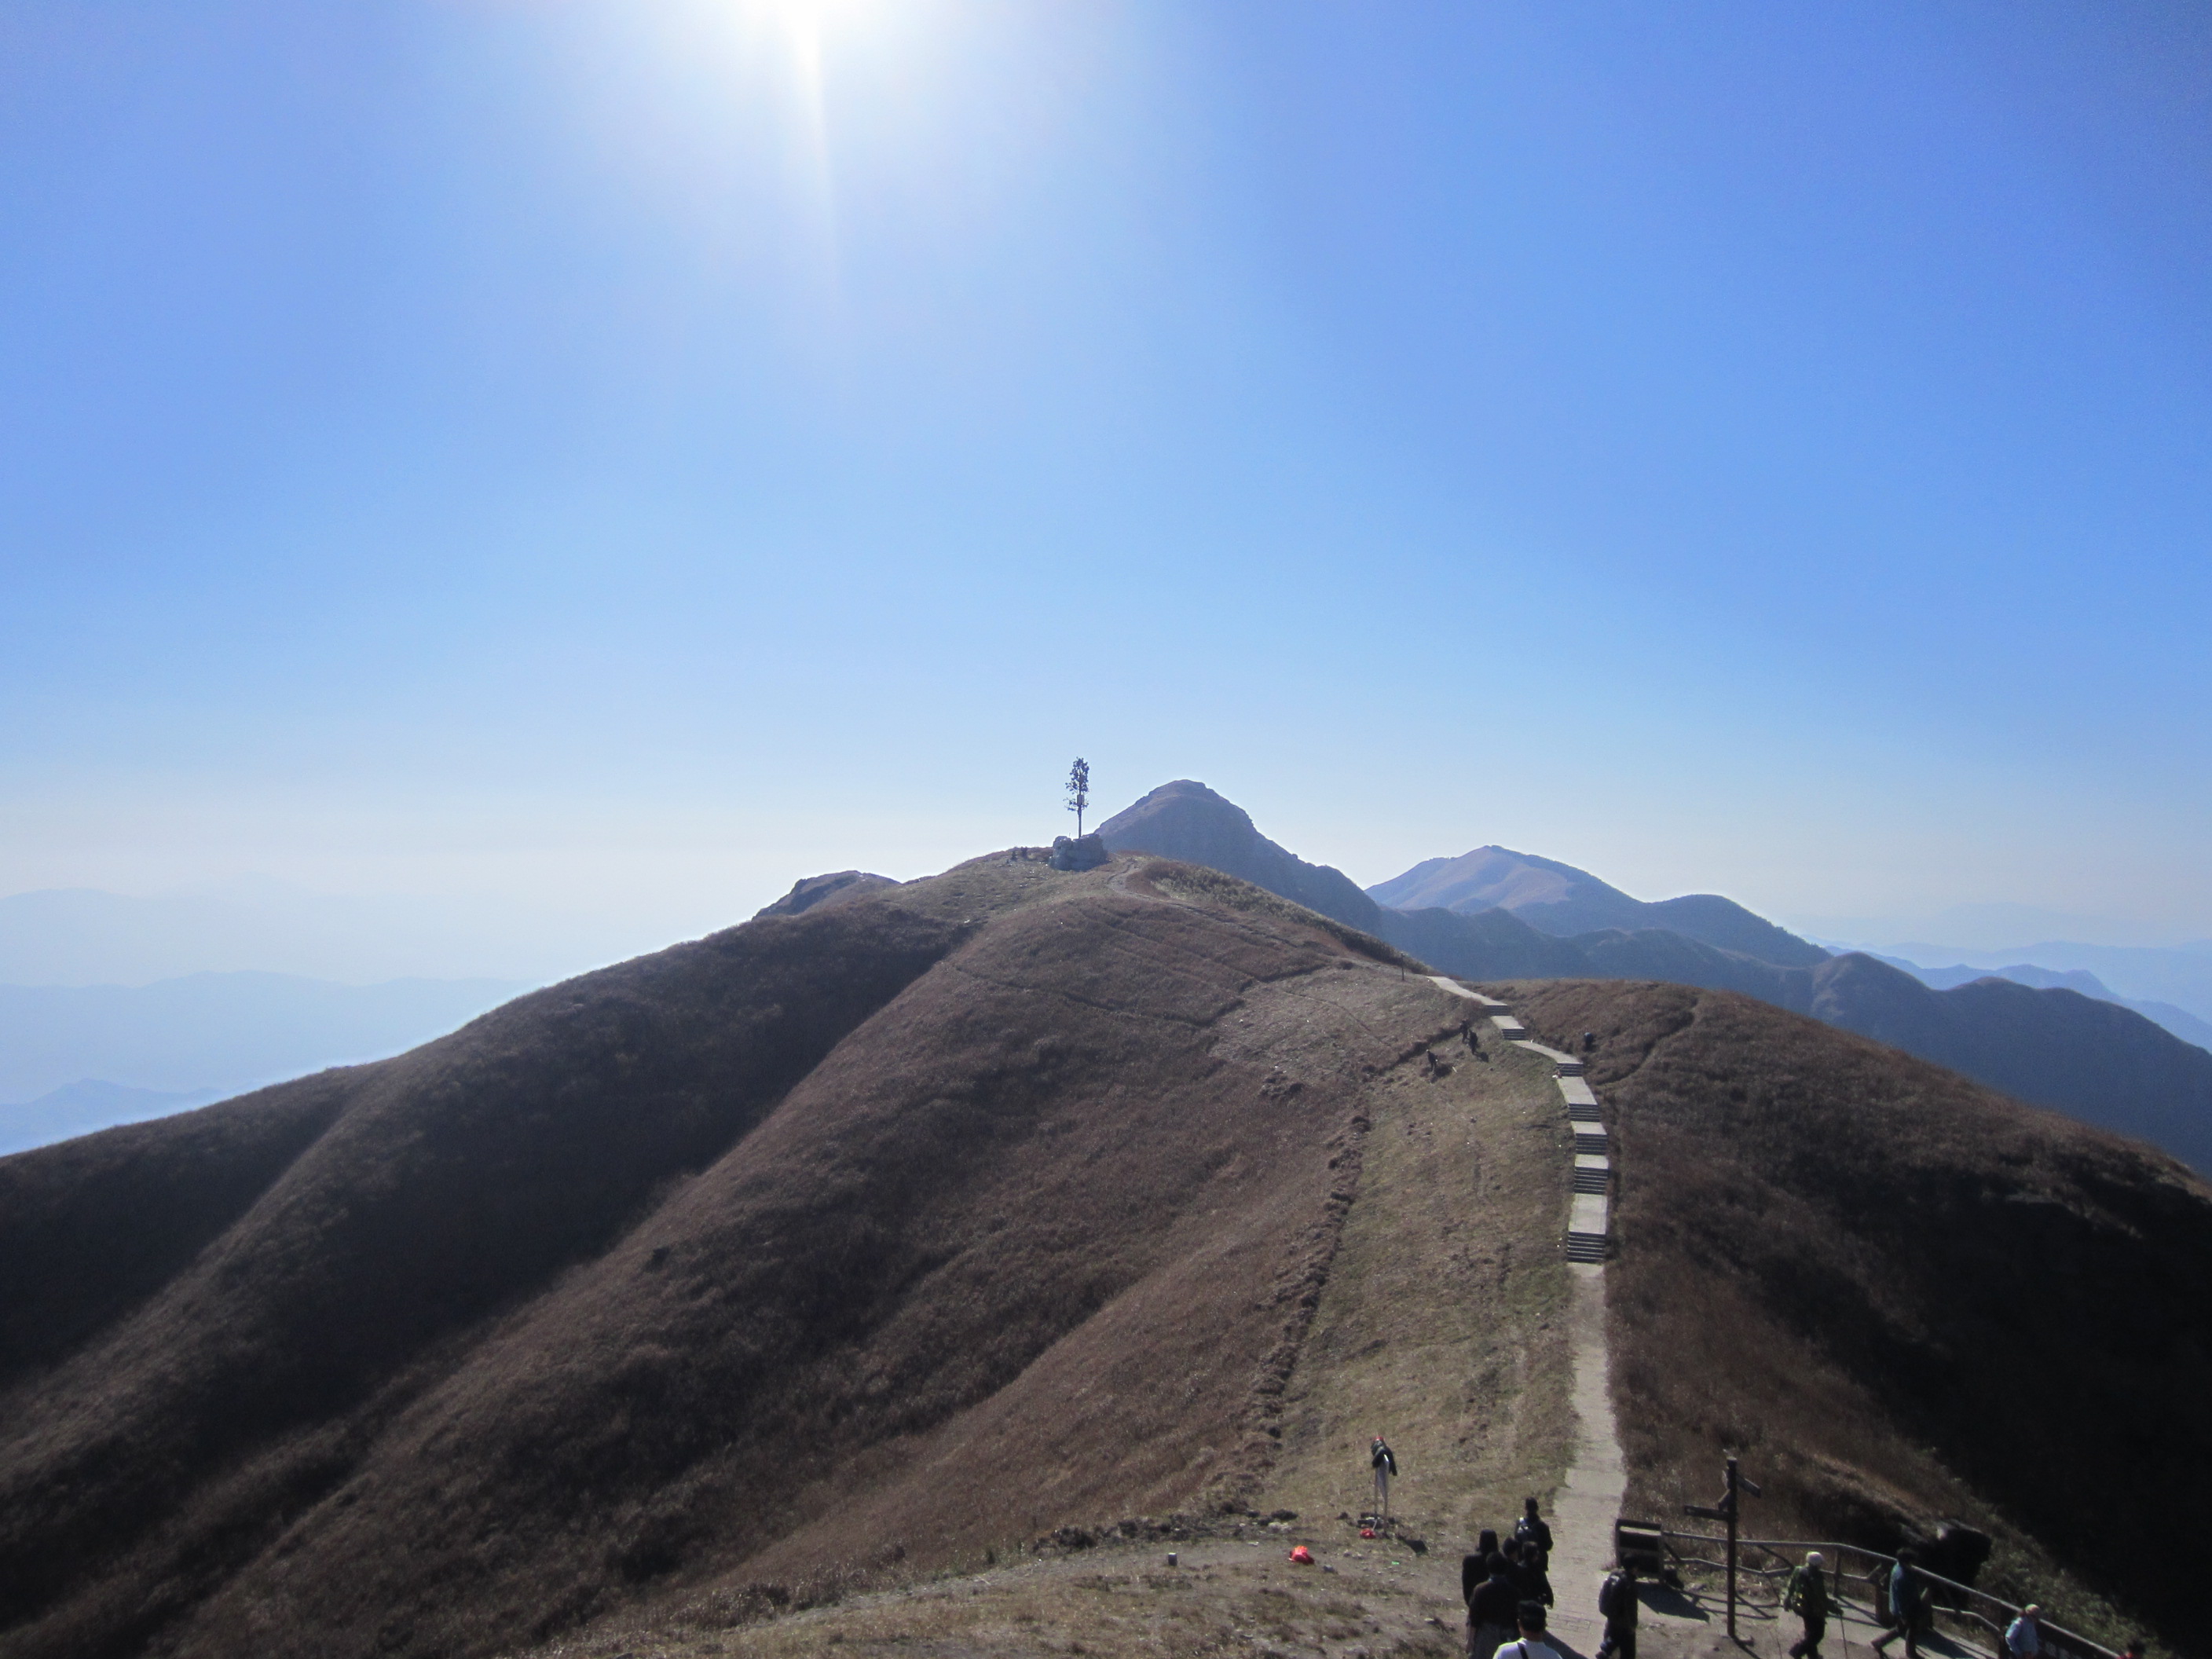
column 1303, row 1556
column 1367, row 1532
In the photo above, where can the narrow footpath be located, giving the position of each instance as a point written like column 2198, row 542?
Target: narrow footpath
column 1588, row 1502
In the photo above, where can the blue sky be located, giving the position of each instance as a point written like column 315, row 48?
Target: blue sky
column 619, row 457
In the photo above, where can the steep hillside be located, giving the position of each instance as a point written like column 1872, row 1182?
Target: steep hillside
column 943, row 1215
column 1899, row 1295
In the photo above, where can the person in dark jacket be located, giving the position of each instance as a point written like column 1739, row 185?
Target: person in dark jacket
column 1530, row 1527
column 1906, row 1592
column 1618, row 1605
column 1492, row 1609
column 1529, row 1567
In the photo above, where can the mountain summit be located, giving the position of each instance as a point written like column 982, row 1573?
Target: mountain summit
column 1558, row 898
column 1187, row 821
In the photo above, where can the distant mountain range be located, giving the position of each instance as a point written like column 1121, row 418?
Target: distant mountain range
column 79, row 1108
column 80, row 1057
column 2096, row 1059
column 2180, row 1021
column 2177, row 977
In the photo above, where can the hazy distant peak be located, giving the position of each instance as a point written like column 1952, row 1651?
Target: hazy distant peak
column 1559, row 899
column 1494, row 878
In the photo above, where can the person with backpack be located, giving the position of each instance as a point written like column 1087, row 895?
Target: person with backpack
column 1530, row 1527
column 1906, row 1594
column 1617, row 1605
column 2023, row 1637
column 1385, row 1465
column 1530, row 1644
column 1805, row 1593
column 1492, row 1610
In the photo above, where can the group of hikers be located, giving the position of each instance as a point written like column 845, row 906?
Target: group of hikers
column 1809, row 1593
column 1507, row 1586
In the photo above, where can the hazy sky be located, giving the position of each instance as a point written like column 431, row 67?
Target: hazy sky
column 623, row 457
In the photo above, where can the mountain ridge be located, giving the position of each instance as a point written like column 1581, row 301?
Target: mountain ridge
column 1005, row 1197
column 1559, row 899
column 2101, row 1061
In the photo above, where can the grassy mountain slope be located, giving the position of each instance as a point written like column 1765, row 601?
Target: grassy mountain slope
column 1899, row 1294
column 893, row 1228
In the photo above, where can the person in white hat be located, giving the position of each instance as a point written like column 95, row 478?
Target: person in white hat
column 1805, row 1594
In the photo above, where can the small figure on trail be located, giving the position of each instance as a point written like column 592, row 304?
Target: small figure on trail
column 1491, row 1609
column 1805, row 1593
column 1617, row 1605
column 2024, row 1636
column 1531, row 1528
column 1531, row 1644
column 1589, row 1040
column 1385, row 1465
column 1905, row 1591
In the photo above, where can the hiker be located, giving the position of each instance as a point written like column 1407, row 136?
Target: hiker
column 1617, row 1605
column 1530, row 1527
column 1805, row 1593
column 1492, row 1609
column 1904, row 1596
column 1529, row 1570
column 1385, row 1466
column 2024, row 1636
column 1531, row 1644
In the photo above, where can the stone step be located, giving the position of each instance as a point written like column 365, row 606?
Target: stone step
column 1509, row 1028
column 1458, row 990
column 1592, row 1181
column 1580, row 1114
column 1581, row 1248
column 1567, row 1064
column 1575, row 1093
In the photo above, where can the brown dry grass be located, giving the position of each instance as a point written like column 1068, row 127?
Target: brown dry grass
column 1901, row 1298
column 864, row 1240
column 1226, row 1597
column 1442, row 1325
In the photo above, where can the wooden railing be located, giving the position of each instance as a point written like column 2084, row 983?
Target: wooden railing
column 1977, row 1613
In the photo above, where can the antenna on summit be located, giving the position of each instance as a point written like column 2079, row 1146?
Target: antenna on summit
column 1078, row 791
